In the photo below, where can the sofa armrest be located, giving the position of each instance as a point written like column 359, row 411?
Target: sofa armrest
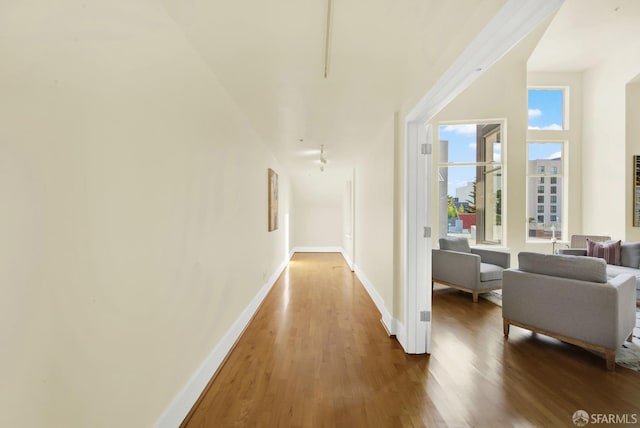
column 573, row 251
column 626, row 286
column 494, row 257
column 455, row 267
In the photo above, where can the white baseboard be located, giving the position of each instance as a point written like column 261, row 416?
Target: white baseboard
column 317, row 249
column 347, row 259
column 401, row 333
column 390, row 323
column 184, row 401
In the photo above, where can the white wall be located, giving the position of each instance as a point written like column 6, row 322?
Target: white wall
column 500, row 93
column 374, row 241
column 317, row 207
column 133, row 194
column 606, row 165
column 348, row 217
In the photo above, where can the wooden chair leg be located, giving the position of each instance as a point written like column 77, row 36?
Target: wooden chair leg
column 505, row 328
column 475, row 297
column 610, row 355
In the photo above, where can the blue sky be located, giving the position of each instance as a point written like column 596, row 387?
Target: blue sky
column 545, row 109
column 545, row 112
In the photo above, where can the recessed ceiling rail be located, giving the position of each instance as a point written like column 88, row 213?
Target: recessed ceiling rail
column 327, row 39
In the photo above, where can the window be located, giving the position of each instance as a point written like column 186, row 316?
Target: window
column 545, row 159
column 547, row 108
column 541, row 180
column 470, row 181
column 540, row 189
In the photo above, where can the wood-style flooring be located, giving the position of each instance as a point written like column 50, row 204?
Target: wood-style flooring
column 316, row 355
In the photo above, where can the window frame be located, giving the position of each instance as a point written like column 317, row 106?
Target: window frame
column 491, row 164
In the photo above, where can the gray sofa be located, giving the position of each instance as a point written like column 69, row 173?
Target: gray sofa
column 572, row 299
column 473, row 270
column 630, row 259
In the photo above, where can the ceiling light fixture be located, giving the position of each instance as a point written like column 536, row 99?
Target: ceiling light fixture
column 323, row 159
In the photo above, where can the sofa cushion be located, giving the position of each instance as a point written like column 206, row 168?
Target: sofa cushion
column 613, row 271
column 455, row 243
column 630, row 254
column 573, row 267
column 489, row 272
column 609, row 251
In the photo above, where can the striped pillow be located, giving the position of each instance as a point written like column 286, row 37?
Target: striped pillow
column 609, row 251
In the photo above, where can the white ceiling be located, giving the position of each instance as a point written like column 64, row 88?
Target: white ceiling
column 584, row 33
column 384, row 56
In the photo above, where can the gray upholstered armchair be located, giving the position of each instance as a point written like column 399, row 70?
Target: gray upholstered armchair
column 473, row 270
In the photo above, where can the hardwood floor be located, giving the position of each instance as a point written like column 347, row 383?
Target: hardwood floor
column 316, row 355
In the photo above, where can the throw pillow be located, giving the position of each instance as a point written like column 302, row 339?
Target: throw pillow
column 630, row 254
column 609, row 251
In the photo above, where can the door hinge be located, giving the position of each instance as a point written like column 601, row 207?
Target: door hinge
column 425, row 316
column 427, row 232
column 425, row 149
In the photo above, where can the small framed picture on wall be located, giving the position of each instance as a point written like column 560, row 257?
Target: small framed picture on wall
column 273, row 200
column 636, row 191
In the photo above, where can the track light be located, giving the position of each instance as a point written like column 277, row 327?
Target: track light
column 323, row 159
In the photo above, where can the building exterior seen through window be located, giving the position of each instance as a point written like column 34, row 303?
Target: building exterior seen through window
column 544, row 207
column 470, row 181
column 548, row 110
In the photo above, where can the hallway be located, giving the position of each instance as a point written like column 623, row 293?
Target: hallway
column 316, row 355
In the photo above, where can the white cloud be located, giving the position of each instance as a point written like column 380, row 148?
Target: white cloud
column 460, row 129
column 555, row 155
column 472, row 146
column 552, row 127
column 534, row 112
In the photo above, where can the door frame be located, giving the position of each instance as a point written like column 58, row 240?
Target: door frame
column 513, row 22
